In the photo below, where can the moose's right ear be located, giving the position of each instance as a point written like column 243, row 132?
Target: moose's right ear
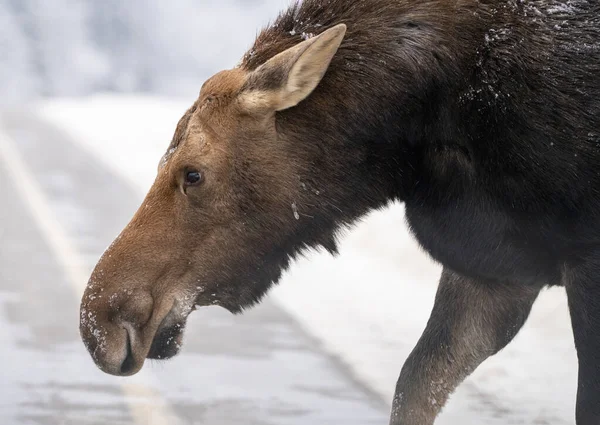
column 291, row 76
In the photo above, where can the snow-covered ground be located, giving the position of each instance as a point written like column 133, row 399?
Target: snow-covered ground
column 369, row 305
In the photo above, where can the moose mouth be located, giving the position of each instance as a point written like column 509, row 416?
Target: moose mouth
column 160, row 342
column 165, row 345
column 167, row 342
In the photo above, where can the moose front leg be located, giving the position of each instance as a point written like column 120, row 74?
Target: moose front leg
column 471, row 320
column 583, row 292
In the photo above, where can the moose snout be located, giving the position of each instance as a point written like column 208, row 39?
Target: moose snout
column 112, row 351
column 116, row 328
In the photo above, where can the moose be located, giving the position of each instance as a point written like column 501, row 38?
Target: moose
column 481, row 116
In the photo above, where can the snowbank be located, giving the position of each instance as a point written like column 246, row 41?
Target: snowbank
column 369, row 305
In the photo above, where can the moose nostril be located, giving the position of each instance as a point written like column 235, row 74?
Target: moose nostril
column 135, row 309
column 129, row 363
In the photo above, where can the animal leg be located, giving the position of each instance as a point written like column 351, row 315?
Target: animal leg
column 583, row 291
column 471, row 320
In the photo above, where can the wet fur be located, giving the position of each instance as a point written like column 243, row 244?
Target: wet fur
column 484, row 114
column 484, row 118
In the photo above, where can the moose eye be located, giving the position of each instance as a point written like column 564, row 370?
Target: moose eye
column 193, row 178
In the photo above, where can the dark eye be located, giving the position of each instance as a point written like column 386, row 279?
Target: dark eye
column 193, row 178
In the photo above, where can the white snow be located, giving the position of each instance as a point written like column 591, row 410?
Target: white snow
column 369, row 305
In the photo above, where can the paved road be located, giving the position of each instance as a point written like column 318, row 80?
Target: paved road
column 59, row 209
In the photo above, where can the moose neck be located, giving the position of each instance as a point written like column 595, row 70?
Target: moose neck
column 392, row 87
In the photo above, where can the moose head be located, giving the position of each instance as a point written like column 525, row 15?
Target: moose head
column 250, row 180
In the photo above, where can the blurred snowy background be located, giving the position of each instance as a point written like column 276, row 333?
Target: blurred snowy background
column 79, row 47
column 116, row 76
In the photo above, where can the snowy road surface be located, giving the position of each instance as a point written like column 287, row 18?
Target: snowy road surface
column 60, row 209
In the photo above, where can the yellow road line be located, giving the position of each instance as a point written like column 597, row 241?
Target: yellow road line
column 146, row 406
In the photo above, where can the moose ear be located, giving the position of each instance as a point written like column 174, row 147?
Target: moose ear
column 289, row 77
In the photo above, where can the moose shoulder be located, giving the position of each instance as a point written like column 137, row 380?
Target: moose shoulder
column 483, row 117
